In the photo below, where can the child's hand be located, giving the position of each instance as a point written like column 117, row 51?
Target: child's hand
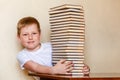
column 62, row 67
column 86, row 69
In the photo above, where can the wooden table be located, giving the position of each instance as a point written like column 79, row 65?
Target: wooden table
column 92, row 76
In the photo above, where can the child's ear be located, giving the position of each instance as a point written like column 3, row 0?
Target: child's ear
column 18, row 38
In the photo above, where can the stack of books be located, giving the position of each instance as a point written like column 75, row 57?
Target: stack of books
column 68, row 35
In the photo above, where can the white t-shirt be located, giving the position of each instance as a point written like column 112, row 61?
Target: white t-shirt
column 42, row 56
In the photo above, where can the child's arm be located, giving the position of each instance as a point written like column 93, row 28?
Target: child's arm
column 60, row 68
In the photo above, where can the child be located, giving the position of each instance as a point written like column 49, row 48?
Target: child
column 36, row 56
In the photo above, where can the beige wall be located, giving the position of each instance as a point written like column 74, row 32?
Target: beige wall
column 102, row 33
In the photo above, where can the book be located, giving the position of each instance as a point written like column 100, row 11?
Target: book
column 56, row 17
column 70, row 24
column 67, row 53
column 67, row 22
column 69, row 56
column 68, row 39
column 53, row 12
column 68, row 31
column 67, row 28
column 72, row 45
column 62, row 27
column 66, row 6
column 75, row 75
column 72, row 42
column 74, row 62
column 77, row 71
column 72, row 51
column 67, row 14
column 66, row 19
column 68, row 34
column 75, row 59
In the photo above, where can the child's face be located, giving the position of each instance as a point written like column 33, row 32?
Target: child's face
column 30, row 37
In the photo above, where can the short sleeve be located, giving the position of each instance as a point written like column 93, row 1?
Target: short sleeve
column 22, row 58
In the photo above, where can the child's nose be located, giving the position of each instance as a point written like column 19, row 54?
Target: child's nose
column 30, row 36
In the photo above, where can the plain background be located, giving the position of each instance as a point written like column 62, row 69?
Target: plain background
column 102, row 19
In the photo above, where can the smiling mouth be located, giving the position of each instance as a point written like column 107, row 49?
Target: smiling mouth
column 30, row 42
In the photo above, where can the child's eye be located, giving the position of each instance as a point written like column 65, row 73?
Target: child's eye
column 34, row 33
column 24, row 34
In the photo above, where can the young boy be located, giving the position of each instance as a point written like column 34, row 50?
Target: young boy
column 36, row 56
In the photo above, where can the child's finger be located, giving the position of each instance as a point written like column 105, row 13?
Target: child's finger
column 62, row 61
